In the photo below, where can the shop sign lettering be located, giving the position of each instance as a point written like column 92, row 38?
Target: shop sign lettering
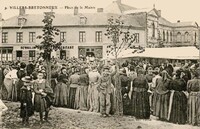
column 67, row 47
column 28, row 47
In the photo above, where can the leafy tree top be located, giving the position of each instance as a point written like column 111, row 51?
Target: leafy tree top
column 120, row 35
column 48, row 43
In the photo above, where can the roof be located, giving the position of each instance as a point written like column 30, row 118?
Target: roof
column 182, row 24
column 162, row 20
column 165, row 22
column 118, row 7
column 138, row 10
column 124, row 7
column 165, row 53
column 73, row 20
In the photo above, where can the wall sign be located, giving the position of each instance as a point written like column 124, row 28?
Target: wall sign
column 28, row 47
column 67, row 47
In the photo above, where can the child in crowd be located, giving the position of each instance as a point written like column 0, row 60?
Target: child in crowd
column 26, row 109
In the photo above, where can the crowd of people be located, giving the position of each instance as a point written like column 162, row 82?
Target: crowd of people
column 167, row 91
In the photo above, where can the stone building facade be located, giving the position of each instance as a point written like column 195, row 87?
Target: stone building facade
column 84, row 34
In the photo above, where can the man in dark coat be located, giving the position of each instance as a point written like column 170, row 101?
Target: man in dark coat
column 20, row 74
column 30, row 68
column 169, row 68
column 26, row 108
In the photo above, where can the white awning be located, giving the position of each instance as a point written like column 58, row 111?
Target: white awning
column 165, row 53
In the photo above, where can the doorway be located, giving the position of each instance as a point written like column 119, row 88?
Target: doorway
column 95, row 51
column 90, row 54
column 63, row 54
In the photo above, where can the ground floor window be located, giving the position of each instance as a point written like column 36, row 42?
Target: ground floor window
column 9, row 55
column 6, row 54
column 3, row 55
column 32, row 55
column 18, row 55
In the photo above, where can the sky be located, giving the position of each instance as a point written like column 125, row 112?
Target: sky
column 172, row 10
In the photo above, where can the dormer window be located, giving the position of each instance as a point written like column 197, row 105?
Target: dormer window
column 83, row 20
column 21, row 21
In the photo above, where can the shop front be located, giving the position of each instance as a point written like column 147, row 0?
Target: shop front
column 95, row 51
column 25, row 53
column 67, row 51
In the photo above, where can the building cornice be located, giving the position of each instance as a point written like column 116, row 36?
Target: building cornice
column 75, row 26
column 173, row 27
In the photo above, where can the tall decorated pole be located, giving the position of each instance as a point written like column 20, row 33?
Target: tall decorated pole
column 121, row 38
column 48, row 43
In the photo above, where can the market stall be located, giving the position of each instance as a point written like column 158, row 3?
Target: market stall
column 180, row 53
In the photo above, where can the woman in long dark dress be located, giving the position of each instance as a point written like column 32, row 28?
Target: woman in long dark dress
column 82, row 91
column 193, row 88
column 61, row 92
column 140, row 98
column 125, row 85
column 178, row 100
column 20, row 74
column 162, row 96
column 73, row 83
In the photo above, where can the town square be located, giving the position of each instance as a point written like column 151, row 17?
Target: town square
column 116, row 64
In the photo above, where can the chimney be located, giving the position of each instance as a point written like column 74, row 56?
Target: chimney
column 99, row 10
column 22, row 11
column 159, row 13
column 178, row 21
column 75, row 10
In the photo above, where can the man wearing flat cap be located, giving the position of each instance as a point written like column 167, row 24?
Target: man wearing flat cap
column 105, row 90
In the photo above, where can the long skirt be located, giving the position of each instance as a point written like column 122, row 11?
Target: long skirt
column 126, row 105
column 8, row 86
column 112, row 100
column 93, row 98
column 178, row 112
column 28, row 109
column 61, row 95
column 140, row 105
column 161, row 106
column 53, row 84
column 4, row 93
column 194, row 108
column 14, row 93
column 40, row 103
column 81, row 98
column 72, row 96
column 19, row 86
